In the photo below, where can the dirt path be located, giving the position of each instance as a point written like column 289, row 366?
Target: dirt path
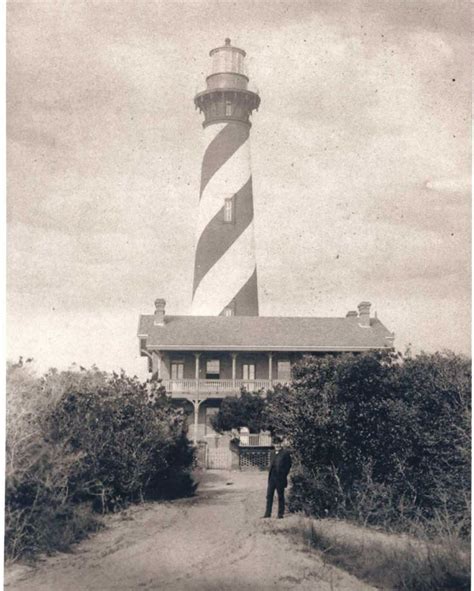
column 216, row 541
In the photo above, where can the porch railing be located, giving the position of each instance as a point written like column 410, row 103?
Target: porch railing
column 215, row 386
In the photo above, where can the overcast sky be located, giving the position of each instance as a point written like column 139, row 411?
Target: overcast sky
column 360, row 157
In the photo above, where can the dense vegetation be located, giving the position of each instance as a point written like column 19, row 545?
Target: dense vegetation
column 247, row 410
column 380, row 437
column 81, row 442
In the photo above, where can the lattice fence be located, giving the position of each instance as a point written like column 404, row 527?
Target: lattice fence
column 254, row 459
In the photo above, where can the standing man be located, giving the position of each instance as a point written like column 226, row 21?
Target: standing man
column 278, row 478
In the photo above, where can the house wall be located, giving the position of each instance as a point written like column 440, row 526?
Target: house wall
column 260, row 359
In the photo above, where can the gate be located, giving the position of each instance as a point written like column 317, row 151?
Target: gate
column 218, row 458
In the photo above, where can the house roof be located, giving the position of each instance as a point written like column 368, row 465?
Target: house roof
column 266, row 333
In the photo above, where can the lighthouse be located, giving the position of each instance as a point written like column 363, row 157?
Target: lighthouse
column 203, row 357
column 225, row 270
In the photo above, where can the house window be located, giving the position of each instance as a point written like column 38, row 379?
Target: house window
column 284, row 371
column 212, row 369
column 228, row 210
column 177, row 370
column 229, row 310
column 228, row 108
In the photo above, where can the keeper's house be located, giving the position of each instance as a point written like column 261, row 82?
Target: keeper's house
column 203, row 359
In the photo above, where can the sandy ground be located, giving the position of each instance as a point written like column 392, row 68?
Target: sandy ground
column 215, row 541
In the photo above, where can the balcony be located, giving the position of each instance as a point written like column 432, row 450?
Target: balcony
column 214, row 388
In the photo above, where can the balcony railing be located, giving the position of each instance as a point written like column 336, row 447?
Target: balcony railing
column 216, row 387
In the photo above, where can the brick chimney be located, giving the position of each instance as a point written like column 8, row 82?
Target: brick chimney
column 159, row 312
column 364, row 313
column 351, row 314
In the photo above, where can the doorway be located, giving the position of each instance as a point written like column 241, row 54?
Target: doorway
column 248, row 375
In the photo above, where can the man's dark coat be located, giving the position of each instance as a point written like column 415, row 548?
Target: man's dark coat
column 279, row 467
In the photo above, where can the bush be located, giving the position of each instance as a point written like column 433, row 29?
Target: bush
column 379, row 437
column 245, row 410
column 132, row 444
column 438, row 390
column 78, row 440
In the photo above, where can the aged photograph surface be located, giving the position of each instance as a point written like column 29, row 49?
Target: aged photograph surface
column 238, row 295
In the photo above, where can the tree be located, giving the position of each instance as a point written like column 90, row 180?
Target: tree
column 245, row 410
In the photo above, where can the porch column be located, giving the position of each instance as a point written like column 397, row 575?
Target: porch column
column 164, row 370
column 270, row 367
column 234, row 368
column 196, row 371
column 155, row 363
column 196, row 403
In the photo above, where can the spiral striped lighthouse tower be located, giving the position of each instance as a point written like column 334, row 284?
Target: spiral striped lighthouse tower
column 225, row 272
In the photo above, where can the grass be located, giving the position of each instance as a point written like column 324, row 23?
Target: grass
column 47, row 531
column 390, row 561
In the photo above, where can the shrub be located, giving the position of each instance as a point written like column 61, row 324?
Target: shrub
column 133, row 444
column 82, row 439
column 378, row 437
column 437, row 389
column 36, row 482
